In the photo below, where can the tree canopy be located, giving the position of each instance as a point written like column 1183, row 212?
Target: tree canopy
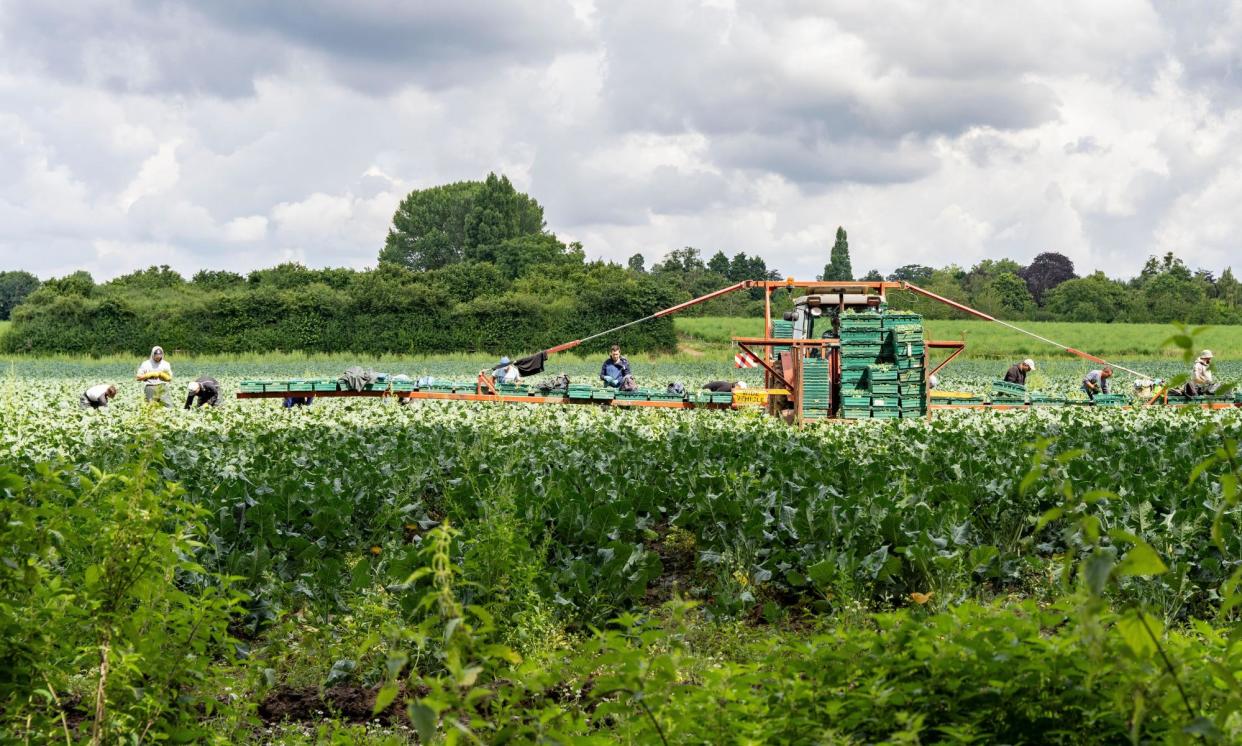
column 838, row 267
column 467, row 220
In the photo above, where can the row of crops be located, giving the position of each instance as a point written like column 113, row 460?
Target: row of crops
column 867, row 512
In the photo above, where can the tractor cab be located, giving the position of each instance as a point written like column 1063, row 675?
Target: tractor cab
column 817, row 315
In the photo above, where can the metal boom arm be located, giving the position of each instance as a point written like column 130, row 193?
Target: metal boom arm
column 744, row 284
column 967, row 309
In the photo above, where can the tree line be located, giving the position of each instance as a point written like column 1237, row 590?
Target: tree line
column 471, row 266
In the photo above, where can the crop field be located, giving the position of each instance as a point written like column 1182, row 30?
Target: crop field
column 365, row 572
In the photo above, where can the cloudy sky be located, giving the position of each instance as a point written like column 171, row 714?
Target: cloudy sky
column 240, row 133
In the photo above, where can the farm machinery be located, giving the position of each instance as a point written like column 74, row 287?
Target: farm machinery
column 840, row 353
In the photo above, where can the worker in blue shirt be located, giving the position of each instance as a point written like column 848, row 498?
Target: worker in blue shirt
column 615, row 368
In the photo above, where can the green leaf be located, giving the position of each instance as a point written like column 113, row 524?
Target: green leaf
column 1141, row 560
column 1136, row 635
column 1049, row 516
column 1096, row 569
column 384, row 697
column 424, row 720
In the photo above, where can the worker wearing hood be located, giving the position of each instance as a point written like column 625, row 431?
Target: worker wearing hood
column 154, row 373
column 1202, row 382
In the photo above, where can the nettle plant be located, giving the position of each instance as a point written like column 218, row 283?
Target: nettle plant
column 108, row 626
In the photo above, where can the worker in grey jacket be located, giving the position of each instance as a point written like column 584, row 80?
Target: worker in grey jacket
column 1096, row 382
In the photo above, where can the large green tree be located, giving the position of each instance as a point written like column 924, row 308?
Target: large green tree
column 838, row 267
column 14, row 287
column 1091, row 298
column 468, row 220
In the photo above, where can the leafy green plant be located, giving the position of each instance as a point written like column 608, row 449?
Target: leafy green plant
column 104, row 611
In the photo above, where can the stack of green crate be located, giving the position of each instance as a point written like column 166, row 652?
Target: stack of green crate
column 885, row 390
column 855, row 403
column 781, row 330
column 861, row 337
column 580, row 390
column 903, row 335
column 252, row 387
column 816, row 389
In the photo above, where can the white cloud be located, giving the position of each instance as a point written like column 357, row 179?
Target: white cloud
column 158, row 174
column 242, row 230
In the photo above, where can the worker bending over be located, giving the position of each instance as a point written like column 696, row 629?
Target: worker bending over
column 1017, row 372
column 1201, row 382
column 506, row 371
column 154, row 373
column 96, row 397
column 724, row 387
column 206, row 389
column 615, row 369
column 1096, row 382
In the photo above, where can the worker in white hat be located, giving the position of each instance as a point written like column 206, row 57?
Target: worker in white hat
column 1017, row 373
column 1201, row 382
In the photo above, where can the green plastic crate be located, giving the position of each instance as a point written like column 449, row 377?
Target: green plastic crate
column 852, row 413
column 861, row 336
column 885, row 389
column 885, row 414
column 882, row 373
column 861, row 349
column 884, row 402
column 1110, row 399
column 863, row 320
column 901, row 318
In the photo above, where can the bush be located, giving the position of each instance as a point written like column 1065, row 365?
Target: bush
column 468, row 306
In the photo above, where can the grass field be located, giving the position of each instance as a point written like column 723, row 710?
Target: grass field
column 985, row 339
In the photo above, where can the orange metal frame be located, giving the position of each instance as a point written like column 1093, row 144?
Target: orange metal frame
column 788, row 376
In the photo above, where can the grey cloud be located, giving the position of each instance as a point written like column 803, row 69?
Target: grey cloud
column 1087, row 145
column 222, row 48
column 691, row 74
column 815, row 161
column 1204, row 41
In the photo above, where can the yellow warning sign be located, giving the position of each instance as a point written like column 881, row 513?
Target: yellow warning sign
column 756, row 396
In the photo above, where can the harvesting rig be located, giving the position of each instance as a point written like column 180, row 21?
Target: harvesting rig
column 840, row 353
